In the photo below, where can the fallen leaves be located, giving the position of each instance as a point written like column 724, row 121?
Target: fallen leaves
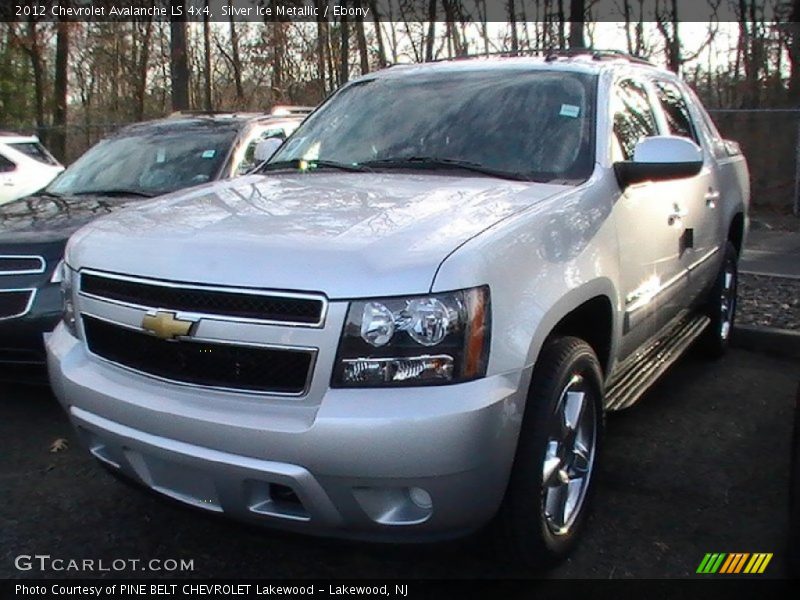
column 59, row 445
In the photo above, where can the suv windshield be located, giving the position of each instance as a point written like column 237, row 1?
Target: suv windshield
column 523, row 124
column 148, row 163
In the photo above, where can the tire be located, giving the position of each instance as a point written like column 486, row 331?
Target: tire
column 721, row 306
column 531, row 532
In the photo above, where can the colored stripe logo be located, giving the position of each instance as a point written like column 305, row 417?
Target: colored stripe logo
column 734, row 563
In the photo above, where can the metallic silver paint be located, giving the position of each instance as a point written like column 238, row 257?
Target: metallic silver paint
column 543, row 249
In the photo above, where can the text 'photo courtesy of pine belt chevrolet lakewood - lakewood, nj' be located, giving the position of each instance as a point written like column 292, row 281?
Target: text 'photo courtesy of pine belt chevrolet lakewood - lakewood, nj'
column 395, row 326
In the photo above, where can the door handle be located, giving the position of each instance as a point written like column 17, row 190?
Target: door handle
column 676, row 216
column 711, row 198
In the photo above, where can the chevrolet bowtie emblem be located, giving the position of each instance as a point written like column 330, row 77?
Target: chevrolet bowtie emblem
column 166, row 325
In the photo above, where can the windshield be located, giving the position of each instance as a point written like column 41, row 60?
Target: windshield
column 147, row 163
column 525, row 124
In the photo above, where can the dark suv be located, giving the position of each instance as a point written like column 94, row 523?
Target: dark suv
column 138, row 162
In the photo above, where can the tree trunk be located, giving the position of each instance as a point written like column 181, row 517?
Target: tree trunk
column 373, row 8
column 209, row 104
column 143, row 68
column 344, row 51
column 577, row 16
column 236, row 61
column 35, row 52
column 512, row 21
column 431, row 38
column 361, row 39
column 322, row 47
column 58, row 141
column 794, row 54
column 179, row 61
column 278, row 48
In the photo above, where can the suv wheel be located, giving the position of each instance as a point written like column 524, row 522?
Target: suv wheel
column 721, row 305
column 552, row 479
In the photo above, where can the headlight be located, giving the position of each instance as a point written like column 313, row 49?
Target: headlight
column 419, row 340
column 68, row 305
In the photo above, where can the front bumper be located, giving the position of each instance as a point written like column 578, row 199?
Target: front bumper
column 401, row 464
column 21, row 340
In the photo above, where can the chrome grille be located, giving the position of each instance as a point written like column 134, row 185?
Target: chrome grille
column 202, row 362
column 15, row 303
column 21, row 265
column 284, row 308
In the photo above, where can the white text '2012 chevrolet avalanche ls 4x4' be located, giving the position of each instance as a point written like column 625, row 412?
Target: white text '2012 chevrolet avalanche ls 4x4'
column 410, row 321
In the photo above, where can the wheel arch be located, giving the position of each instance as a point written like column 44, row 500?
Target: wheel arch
column 588, row 312
column 736, row 232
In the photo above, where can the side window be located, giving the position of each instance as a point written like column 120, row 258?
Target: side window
column 676, row 110
column 6, row 166
column 634, row 119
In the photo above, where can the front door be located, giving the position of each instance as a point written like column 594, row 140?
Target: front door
column 647, row 240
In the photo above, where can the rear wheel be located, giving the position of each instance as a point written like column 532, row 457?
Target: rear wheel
column 551, row 483
column 721, row 305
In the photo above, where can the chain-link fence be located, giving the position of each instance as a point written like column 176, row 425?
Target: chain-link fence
column 770, row 139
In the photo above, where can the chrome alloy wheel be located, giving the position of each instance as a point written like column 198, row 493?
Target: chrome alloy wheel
column 727, row 300
column 569, row 456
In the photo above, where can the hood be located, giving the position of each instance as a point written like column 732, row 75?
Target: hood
column 343, row 234
column 42, row 218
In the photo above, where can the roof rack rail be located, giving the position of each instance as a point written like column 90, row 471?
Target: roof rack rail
column 597, row 54
column 549, row 54
column 293, row 111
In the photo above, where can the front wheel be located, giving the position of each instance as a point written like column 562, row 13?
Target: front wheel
column 548, row 496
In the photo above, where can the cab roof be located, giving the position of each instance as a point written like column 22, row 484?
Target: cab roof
column 587, row 61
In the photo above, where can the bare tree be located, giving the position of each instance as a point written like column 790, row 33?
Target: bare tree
column 430, row 39
column 209, row 104
column 235, row 59
column 512, row 21
column 58, row 141
column 361, row 39
column 344, row 50
column 667, row 22
column 141, row 63
column 179, row 61
column 577, row 17
column 33, row 47
column 794, row 53
column 376, row 19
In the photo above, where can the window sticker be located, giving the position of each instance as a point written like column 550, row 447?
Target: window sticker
column 209, row 153
column 570, row 110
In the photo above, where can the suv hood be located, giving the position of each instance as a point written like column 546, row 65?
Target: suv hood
column 40, row 218
column 344, row 234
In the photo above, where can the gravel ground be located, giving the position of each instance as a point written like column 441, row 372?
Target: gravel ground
column 769, row 302
column 699, row 465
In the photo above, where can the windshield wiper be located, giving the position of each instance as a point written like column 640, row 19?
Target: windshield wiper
column 48, row 194
column 308, row 165
column 431, row 162
column 115, row 192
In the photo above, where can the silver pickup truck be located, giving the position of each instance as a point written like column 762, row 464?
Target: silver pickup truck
column 411, row 320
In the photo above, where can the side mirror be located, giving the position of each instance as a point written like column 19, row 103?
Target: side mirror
column 266, row 148
column 660, row 158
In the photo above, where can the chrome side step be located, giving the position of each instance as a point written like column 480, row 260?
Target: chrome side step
column 637, row 374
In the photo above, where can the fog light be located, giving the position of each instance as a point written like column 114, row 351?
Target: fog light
column 420, row 497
